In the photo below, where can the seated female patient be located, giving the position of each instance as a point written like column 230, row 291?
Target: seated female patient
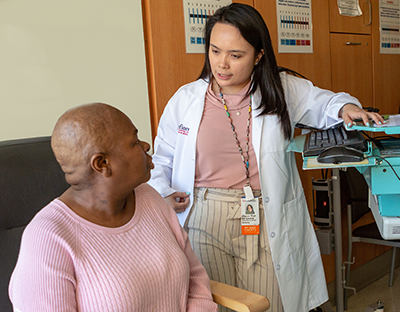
column 110, row 242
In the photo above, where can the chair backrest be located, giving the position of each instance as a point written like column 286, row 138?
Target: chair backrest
column 356, row 189
column 30, row 178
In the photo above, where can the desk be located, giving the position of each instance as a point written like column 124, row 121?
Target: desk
column 297, row 146
column 388, row 196
column 311, row 163
column 337, row 238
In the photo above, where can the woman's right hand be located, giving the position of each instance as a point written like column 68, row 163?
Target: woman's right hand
column 179, row 201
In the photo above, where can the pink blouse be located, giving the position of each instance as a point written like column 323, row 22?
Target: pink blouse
column 218, row 160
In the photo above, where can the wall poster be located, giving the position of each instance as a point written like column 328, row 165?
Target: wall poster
column 196, row 13
column 389, row 27
column 294, row 26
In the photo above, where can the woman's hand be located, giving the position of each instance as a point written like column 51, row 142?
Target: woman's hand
column 351, row 112
column 179, row 201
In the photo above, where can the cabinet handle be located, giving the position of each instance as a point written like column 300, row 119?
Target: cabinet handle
column 352, row 43
column 370, row 12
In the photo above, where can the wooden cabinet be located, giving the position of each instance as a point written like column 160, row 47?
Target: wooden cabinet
column 369, row 75
column 351, row 52
column 351, row 66
column 351, row 24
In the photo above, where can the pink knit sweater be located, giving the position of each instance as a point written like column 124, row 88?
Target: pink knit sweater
column 67, row 263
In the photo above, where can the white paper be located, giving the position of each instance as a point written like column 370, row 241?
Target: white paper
column 349, row 7
column 392, row 121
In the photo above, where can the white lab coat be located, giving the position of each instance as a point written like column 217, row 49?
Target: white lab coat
column 294, row 248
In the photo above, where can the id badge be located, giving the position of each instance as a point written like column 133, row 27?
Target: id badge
column 250, row 219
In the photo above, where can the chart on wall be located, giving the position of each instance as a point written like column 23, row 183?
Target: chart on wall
column 294, row 26
column 196, row 13
column 389, row 19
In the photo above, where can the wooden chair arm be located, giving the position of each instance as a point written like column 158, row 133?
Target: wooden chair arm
column 238, row 299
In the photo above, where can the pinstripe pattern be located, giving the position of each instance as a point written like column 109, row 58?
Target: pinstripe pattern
column 215, row 235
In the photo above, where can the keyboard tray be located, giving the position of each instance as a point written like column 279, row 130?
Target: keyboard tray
column 318, row 140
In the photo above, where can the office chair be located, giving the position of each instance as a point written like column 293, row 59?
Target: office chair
column 30, row 178
column 238, row 299
column 357, row 206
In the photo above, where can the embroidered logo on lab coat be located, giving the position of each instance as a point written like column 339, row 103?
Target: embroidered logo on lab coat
column 183, row 130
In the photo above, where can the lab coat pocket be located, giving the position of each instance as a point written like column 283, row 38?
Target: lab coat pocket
column 296, row 222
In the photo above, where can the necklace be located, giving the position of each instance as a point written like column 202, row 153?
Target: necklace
column 245, row 158
column 237, row 112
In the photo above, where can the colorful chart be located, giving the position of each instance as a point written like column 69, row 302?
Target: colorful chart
column 294, row 26
column 196, row 14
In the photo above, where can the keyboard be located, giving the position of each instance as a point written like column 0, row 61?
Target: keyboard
column 319, row 140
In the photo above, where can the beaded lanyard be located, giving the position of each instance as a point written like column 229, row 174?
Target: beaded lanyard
column 244, row 159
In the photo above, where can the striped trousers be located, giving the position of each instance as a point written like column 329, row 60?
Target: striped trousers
column 244, row 261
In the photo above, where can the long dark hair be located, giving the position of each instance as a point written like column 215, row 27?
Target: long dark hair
column 266, row 73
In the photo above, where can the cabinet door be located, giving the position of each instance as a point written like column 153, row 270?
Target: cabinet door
column 348, row 24
column 351, row 63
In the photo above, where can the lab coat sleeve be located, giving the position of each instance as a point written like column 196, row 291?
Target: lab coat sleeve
column 312, row 106
column 164, row 148
column 175, row 144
